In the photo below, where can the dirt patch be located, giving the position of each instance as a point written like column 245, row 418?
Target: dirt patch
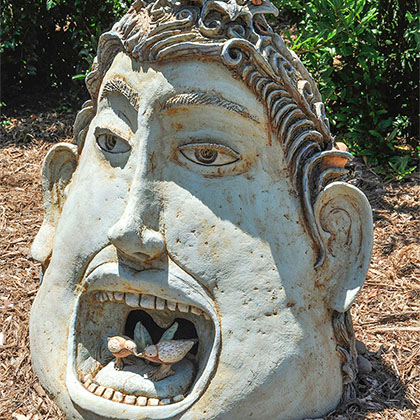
column 386, row 314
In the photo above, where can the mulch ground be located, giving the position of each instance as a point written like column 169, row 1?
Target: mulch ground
column 386, row 315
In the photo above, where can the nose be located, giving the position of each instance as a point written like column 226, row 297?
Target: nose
column 136, row 233
column 141, row 244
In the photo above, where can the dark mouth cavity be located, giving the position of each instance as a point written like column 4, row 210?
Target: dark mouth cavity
column 186, row 329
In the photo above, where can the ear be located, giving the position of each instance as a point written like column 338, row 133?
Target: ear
column 344, row 219
column 58, row 168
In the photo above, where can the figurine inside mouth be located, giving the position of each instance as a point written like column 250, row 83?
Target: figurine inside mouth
column 104, row 314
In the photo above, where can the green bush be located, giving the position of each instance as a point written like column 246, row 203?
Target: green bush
column 45, row 43
column 364, row 56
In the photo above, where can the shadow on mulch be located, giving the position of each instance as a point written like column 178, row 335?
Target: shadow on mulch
column 375, row 190
column 377, row 391
column 30, row 129
column 37, row 118
column 381, row 205
column 384, row 209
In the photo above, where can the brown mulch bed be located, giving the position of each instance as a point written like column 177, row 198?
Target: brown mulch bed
column 386, row 314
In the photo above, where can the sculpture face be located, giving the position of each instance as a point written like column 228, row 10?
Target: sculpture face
column 181, row 206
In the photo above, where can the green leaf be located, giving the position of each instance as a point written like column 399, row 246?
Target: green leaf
column 347, row 50
column 376, row 134
column 169, row 333
column 51, row 4
column 141, row 337
column 78, row 76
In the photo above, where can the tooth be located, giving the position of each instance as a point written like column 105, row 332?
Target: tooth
column 130, row 399
column 153, row 401
column 196, row 311
column 147, row 302
column 110, row 296
column 108, row 393
column 178, row 398
column 87, row 383
column 118, row 296
column 92, row 387
column 102, row 297
column 141, row 401
column 165, row 401
column 118, row 397
column 160, row 304
column 99, row 391
column 85, row 378
column 132, row 299
column 183, row 307
column 171, row 305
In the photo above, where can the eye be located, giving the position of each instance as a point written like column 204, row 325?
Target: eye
column 111, row 143
column 209, row 154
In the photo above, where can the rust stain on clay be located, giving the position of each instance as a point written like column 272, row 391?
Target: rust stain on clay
column 177, row 126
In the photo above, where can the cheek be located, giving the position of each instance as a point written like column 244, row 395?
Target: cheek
column 212, row 235
column 95, row 201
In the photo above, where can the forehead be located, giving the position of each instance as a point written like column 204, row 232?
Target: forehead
column 154, row 82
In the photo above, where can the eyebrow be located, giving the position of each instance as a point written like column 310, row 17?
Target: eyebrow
column 204, row 98
column 118, row 85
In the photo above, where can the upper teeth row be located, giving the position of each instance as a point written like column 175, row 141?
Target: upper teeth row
column 138, row 300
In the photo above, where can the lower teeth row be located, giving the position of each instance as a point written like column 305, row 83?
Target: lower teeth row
column 117, row 396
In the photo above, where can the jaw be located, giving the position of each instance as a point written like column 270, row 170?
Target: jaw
column 113, row 300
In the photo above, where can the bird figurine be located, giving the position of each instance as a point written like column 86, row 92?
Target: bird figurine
column 166, row 353
column 121, row 347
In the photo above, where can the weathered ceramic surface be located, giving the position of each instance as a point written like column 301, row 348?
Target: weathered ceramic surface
column 203, row 186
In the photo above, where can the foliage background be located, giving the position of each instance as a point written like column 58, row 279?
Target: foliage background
column 364, row 54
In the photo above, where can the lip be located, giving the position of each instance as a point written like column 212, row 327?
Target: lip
column 172, row 284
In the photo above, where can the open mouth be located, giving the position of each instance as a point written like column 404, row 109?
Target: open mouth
column 114, row 300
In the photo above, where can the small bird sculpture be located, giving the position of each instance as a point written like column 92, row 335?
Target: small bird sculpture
column 166, row 353
column 121, row 347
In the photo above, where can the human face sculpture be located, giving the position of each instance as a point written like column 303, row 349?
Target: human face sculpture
column 181, row 195
column 180, row 206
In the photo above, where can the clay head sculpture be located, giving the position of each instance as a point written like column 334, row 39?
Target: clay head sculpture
column 203, row 187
